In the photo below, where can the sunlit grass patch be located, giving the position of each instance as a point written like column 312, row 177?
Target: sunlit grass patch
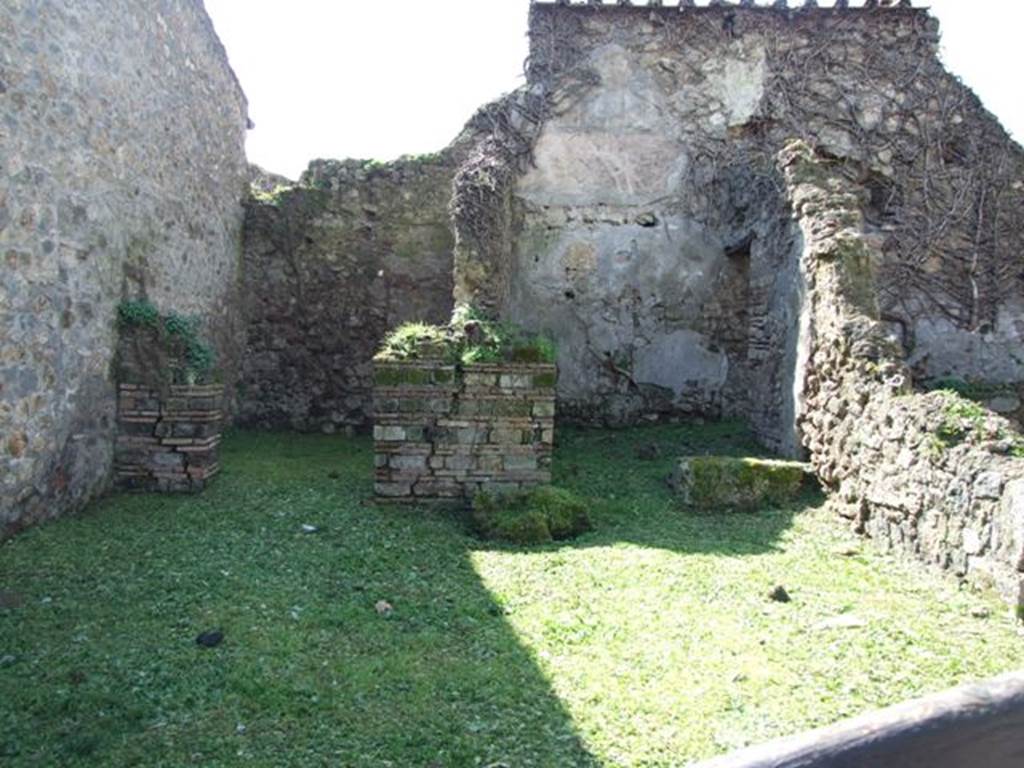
column 648, row 641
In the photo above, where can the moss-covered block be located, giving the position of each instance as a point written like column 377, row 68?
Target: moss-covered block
column 722, row 483
column 530, row 517
column 545, row 380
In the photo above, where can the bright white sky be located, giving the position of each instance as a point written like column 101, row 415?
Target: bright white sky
column 376, row 79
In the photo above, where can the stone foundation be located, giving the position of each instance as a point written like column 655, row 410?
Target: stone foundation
column 446, row 432
column 168, row 443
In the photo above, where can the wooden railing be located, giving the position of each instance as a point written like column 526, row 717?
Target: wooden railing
column 975, row 726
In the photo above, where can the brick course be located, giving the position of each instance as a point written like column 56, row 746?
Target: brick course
column 446, row 432
column 168, row 441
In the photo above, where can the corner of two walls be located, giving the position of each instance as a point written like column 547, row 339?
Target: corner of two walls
column 330, row 266
column 91, row 213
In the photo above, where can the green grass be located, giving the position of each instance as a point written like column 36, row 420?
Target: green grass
column 649, row 641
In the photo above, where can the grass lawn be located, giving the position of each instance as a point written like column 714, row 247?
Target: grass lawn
column 649, row 642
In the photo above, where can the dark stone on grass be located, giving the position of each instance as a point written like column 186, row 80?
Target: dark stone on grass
column 779, row 595
column 10, row 599
column 210, row 639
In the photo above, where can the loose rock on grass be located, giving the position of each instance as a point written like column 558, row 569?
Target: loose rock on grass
column 210, row 639
column 779, row 594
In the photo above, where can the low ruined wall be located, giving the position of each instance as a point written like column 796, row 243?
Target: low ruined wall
column 330, row 266
column 926, row 481
column 168, row 441
column 932, row 475
column 446, row 432
column 122, row 171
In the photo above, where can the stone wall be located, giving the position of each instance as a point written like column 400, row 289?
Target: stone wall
column 168, row 441
column 122, row 172
column 625, row 201
column 932, row 475
column 445, row 432
column 332, row 264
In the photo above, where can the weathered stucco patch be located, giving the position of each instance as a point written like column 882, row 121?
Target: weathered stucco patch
column 728, row 90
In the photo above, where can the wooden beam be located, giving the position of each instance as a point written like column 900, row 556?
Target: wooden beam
column 975, row 726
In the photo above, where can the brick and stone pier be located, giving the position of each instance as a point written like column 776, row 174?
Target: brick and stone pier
column 168, row 441
column 446, row 432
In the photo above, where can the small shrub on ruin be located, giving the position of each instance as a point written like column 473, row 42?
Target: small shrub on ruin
column 413, row 341
column 469, row 338
column 161, row 349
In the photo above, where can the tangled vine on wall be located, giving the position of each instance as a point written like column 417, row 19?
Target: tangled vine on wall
column 946, row 181
column 504, row 133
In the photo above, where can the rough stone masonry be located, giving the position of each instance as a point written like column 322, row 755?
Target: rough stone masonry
column 122, row 174
column 932, row 475
column 626, row 201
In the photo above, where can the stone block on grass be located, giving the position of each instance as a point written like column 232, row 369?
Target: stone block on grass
column 532, row 516
column 725, row 483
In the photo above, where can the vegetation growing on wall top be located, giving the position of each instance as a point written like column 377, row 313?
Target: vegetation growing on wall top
column 274, row 196
column 470, row 337
column 161, row 348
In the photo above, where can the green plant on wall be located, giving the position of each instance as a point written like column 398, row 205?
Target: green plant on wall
column 163, row 348
column 960, row 419
column 273, row 197
column 470, row 337
column 140, row 314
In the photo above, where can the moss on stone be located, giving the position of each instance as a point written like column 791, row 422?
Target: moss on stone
column 530, row 517
column 396, row 376
column 712, row 483
column 544, row 380
column 470, row 337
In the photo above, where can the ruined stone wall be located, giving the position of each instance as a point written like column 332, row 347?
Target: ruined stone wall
column 632, row 181
column 931, row 475
column 122, row 172
column 331, row 265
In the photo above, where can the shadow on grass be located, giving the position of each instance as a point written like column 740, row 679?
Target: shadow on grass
column 98, row 665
